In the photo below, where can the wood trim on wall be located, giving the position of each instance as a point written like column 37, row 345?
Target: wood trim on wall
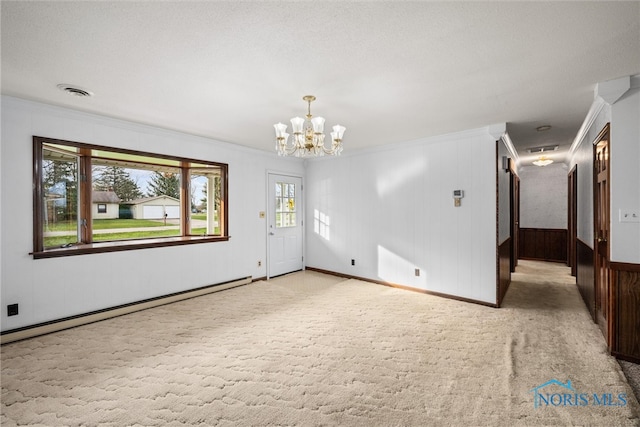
column 625, row 294
column 86, row 245
column 572, row 210
column 624, row 266
column 504, row 269
column 514, row 208
column 585, row 275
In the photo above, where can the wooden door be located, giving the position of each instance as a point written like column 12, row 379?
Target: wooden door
column 602, row 221
column 572, row 259
column 515, row 218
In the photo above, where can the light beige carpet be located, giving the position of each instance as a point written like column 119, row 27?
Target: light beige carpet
column 309, row 349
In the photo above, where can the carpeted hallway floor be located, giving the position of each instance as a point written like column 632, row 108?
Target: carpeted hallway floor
column 632, row 372
column 310, row 349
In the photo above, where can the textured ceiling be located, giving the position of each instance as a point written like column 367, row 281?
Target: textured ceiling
column 388, row 71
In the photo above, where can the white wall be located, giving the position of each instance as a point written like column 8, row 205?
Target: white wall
column 504, row 194
column 49, row 289
column 543, row 196
column 391, row 210
column 625, row 175
column 623, row 112
column 582, row 159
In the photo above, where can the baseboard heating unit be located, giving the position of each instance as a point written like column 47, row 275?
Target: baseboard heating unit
column 96, row 316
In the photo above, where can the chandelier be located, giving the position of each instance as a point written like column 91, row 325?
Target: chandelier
column 308, row 137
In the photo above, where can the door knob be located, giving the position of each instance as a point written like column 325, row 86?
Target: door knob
column 272, row 233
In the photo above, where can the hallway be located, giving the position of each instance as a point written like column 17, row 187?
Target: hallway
column 539, row 271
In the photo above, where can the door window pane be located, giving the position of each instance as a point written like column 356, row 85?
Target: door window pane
column 285, row 205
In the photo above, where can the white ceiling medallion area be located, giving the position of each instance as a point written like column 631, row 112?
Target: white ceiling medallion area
column 308, row 136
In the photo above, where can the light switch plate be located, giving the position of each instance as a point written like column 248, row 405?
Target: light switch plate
column 629, row 215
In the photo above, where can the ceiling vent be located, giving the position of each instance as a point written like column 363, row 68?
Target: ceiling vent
column 543, row 149
column 74, row 90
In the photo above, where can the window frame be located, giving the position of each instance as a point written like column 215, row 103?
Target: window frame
column 87, row 246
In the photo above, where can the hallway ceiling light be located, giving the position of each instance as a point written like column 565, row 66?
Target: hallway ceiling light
column 308, row 137
column 543, row 128
column 543, row 161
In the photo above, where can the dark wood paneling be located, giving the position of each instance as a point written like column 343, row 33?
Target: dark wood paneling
column 556, row 245
column 626, row 311
column 544, row 244
column 585, row 275
column 504, row 273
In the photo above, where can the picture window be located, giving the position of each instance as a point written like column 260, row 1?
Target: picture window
column 92, row 198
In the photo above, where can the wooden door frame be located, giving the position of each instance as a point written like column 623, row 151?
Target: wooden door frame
column 572, row 217
column 514, row 207
column 604, row 135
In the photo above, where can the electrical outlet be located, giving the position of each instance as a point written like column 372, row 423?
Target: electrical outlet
column 12, row 310
column 259, row 263
column 629, row 216
column 353, row 262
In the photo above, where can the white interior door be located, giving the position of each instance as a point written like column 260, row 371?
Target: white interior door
column 285, row 224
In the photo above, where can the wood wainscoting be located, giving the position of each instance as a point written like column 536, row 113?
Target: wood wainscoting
column 625, row 296
column 543, row 244
column 624, row 301
column 504, row 269
column 585, row 275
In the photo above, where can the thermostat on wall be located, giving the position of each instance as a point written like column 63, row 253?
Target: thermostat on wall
column 457, row 196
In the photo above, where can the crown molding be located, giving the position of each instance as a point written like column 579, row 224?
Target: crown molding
column 595, row 109
column 612, row 90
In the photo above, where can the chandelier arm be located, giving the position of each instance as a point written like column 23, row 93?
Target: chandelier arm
column 290, row 150
column 330, row 151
